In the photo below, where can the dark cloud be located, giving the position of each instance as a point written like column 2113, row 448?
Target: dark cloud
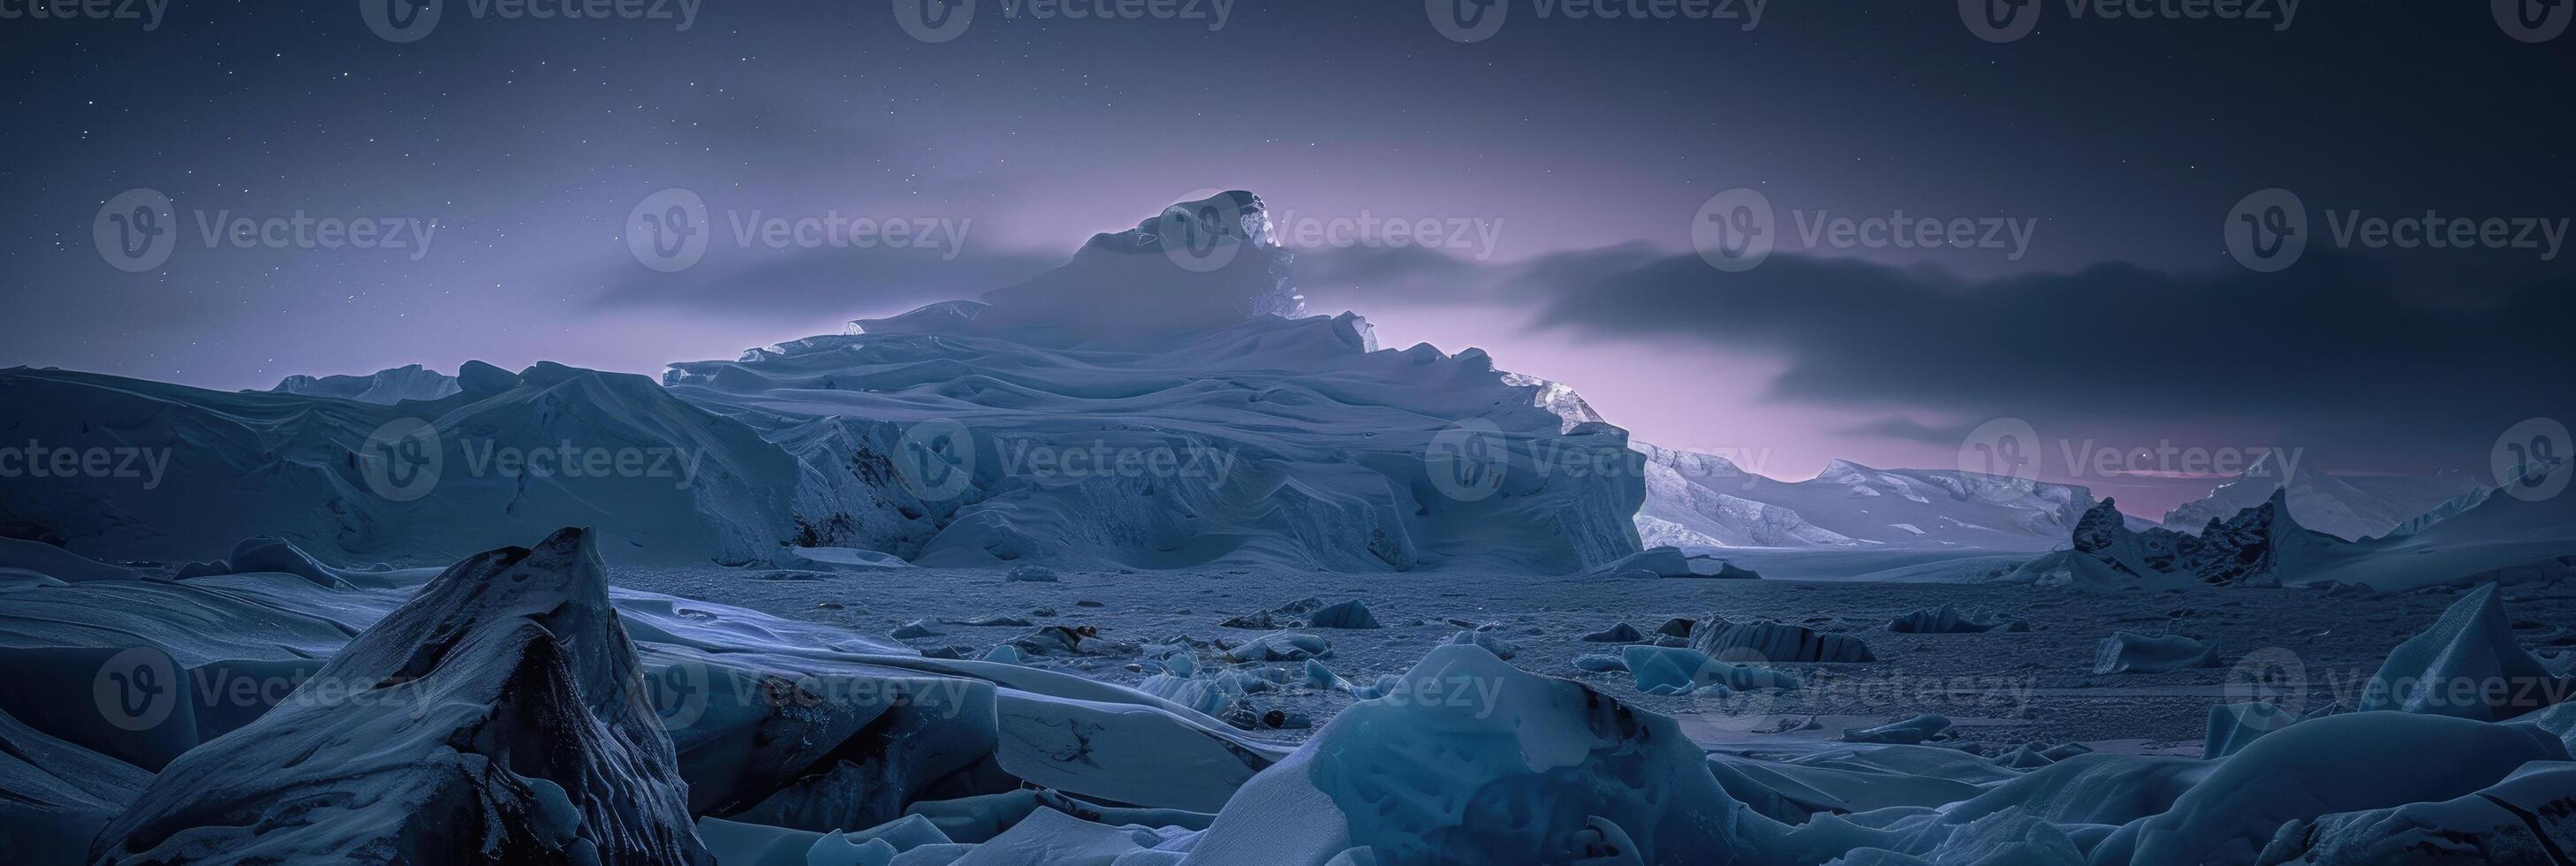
column 2326, row 352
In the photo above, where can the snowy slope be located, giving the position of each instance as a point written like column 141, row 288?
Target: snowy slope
column 1703, row 500
column 2348, row 508
column 511, row 456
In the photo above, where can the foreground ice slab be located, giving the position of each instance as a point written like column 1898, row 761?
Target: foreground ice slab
column 2467, row 665
column 500, row 711
column 2343, row 763
column 1476, row 761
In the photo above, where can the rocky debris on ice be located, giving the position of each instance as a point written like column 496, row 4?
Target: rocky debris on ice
column 1600, row 663
column 1054, row 640
column 2130, row 652
column 499, row 710
column 1616, row 633
column 1348, row 614
column 1773, row 641
column 1655, row 562
column 1280, row 647
column 1678, row 670
column 1489, row 641
column 1031, row 574
column 992, row 620
column 2468, row 664
column 2260, row 546
column 1947, row 619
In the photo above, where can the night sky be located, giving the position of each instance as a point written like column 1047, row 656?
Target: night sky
column 1578, row 153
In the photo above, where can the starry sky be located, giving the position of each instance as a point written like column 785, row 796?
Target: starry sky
column 1567, row 161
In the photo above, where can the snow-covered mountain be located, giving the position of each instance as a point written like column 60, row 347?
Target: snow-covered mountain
column 2346, row 507
column 411, row 382
column 1274, row 439
column 186, row 472
column 1144, row 405
column 1704, row 500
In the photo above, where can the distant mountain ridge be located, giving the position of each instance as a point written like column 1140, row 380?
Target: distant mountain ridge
column 2346, row 507
column 1705, row 500
column 390, row 386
